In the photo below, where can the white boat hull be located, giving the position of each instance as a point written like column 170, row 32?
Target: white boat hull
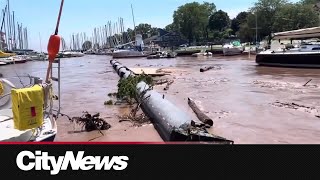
column 46, row 132
column 127, row 54
column 228, row 51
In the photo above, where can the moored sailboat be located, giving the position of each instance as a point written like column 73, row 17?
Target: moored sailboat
column 307, row 55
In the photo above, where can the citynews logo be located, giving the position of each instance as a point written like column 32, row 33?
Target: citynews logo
column 42, row 161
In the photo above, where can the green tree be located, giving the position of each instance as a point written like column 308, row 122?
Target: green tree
column 146, row 30
column 309, row 2
column 247, row 29
column 154, row 31
column 130, row 33
column 219, row 21
column 237, row 21
column 191, row 20
column 87, row 45
column 262, row 17
column 294, row 16
column 171, row 27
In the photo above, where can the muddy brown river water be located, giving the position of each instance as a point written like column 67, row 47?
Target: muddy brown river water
column 248, row 103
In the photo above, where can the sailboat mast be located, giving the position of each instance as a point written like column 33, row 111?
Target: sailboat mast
column 21, row 34
column 134, row 23
column 73, row 43
column 3, row 35
column 40, row 42
column 9, row 25
column 14, row 31
column 7, row 29
column 27, row 39
column 19, row 40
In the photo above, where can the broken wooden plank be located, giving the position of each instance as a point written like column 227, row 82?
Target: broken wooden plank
column 201, row 116
column 148, row 71
column 161, row 81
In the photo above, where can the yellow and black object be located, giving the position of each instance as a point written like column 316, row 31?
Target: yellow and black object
column 27, row 107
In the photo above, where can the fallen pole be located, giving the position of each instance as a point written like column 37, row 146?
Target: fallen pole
column 201, row 116
column 171, row 123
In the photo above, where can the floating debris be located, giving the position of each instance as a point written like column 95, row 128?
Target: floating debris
column 112, row 94
column 201, row 115
column 168, row 85
column 136, row 120
column 91, row 122
column 110, row 102
column 311, row 110
column 161, row 81
column 307, row 82
column 282, row 85
column 207, row 68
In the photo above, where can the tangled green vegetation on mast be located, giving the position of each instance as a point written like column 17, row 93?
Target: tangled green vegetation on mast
column 127, row 86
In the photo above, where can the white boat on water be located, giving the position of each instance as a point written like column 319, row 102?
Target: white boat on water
column 37, row 57
column 131, row 50
column 233, row 47
column 202, row 53
column 14, row 59
column 72, row 54
column 128, row 53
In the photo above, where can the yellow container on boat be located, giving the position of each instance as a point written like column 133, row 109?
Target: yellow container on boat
column 27, row 107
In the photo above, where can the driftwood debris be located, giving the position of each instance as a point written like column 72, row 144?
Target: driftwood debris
column 91, row 122
column 307, row 82
column 161, row 81
column 164, row 81
column 204, row 69
column 168, row 85
column 201, row 116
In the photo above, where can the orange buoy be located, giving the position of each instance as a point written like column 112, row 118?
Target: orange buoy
column 53, row 47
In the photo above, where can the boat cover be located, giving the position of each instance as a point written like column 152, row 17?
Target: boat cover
column 307, row 33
